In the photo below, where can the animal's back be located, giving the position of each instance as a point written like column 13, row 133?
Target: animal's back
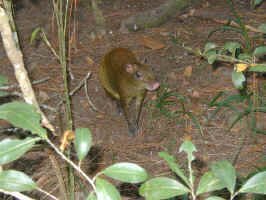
column 112, row 70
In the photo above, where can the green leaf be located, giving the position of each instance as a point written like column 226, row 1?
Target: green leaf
column 225, row 172
column 174, row 166
column 209, row 46
column 34, row 34
column 262, row 28
column 24, row 116
column 83, row 141
column 16, row 181
column 260, row 51
column 12, row 149
column 232, row 47
column 126, row 172
column 211, row 56
column 188, row 147
column 215, row 198
column 106, row 191
column 162, row 188
column 245, row 57
column 92, row 196
column 238, row 79
column 256, row 184
column 209, row 183
column 258, row 68
column 3, row 80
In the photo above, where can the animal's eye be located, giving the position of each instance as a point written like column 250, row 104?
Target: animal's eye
column 138, row 74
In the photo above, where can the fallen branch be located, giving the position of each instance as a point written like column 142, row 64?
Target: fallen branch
column 16, row 58
column 155, row 17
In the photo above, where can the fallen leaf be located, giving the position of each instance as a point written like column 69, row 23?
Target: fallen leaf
column 195, row 94
column 89, row 61
column 67, row 138
column 240, row 67
column 43, row 96
column 151, row 43
column 188, row 71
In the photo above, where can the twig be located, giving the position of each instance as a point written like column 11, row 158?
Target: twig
column 16, row 195
column 47, row 193
column 16, row 58
column 224, row 21
column 9, row 87
column 81, row 83
column 89, row 100
column 72, row 164
column 59, row 175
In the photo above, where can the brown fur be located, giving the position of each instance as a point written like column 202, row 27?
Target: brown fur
column 127, row 80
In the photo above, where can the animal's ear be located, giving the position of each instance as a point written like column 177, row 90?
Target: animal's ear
column 130, row 68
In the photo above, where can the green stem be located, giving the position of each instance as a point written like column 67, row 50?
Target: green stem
column 191, row 180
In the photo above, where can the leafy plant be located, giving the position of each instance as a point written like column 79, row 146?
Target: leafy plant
column 24, row 116
column 244, row 56
column 222, row 175
column 242, row 106
column 173, row 105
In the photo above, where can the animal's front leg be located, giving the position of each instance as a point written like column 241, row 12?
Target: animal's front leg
column 130, row 111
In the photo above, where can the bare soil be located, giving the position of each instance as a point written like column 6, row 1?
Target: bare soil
column 158, row 132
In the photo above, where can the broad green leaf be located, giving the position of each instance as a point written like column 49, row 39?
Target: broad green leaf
column 174, row 166
column 260, row 51
column 24, row 116
column 12, row 149
column 215, row 198
column 34, row 34
column 225, row 172
column 126, row 172
column 162, row 188
column 244, row 57
column 232, row 47
column 209, row 183
column 211, row 56
column 256, row 184
column 3, row 94
column 3, row 80
column 83, row 141
column 188, row 147
column 16, row 181
column 238, row 79
column 262, row 28
column 209, row 46
column 258, row 68
column 92, row 196
column 106, row 191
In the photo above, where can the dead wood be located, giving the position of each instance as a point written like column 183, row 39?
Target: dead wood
column 155, row 17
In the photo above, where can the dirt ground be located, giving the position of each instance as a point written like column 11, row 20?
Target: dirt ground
column 158, row 132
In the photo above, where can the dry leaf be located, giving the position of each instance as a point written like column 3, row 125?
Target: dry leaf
column 89, row 61
column 151, row 43
column 188, row 71
column 195, row 94
column 240, row 67
column 67, row 138
column 43, row 96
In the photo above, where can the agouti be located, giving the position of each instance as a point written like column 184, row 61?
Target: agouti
column 127, row 80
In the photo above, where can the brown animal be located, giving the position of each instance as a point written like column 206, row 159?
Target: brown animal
column 127, row 80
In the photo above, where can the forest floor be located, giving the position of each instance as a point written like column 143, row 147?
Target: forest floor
column 176, row 69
